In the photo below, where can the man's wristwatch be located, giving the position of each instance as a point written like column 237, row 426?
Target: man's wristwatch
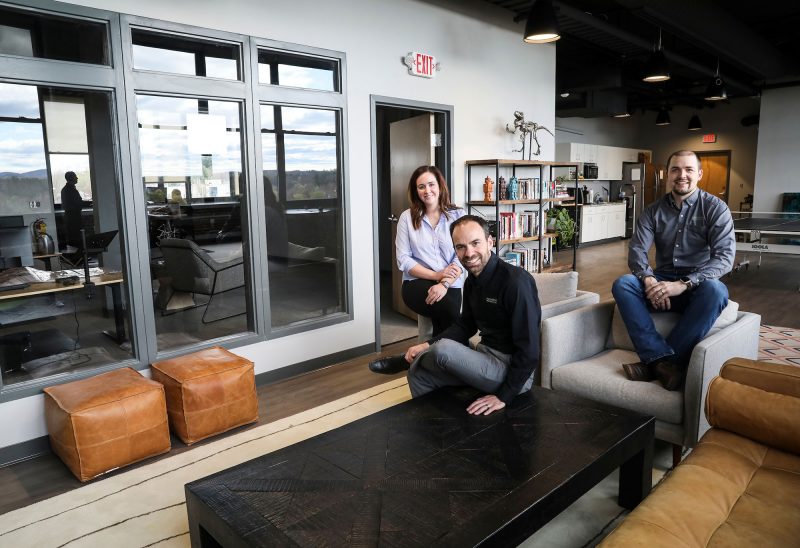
column 688, row 281
column 445, row 283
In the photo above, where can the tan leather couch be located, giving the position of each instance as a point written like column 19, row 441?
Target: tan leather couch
column 740, row 486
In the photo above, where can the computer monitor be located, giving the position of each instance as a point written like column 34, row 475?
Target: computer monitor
column 16, row 247
column 99, row 242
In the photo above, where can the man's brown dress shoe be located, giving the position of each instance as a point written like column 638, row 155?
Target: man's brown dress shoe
column 389, row 365
column 638, row 372
column 669, row 374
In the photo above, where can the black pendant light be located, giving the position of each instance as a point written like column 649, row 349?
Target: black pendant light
column 663, row 118
column 542, row 25
column 716, row 88
column 695, row 123
column 657, row 68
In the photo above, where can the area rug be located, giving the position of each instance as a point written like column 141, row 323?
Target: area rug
column 146, row 506
column 779, row 345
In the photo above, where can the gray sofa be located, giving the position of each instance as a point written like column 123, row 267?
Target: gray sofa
column 558, row 293
column 583, row 352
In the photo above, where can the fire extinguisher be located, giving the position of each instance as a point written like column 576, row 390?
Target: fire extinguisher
column 44, row 242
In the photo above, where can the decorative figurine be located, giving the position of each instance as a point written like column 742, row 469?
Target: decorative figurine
column 513, row 188
column 527, row 132
column 503, row 188
column 488, row 185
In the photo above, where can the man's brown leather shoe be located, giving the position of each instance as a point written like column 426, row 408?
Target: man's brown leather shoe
column 638, row 372
column 389, row 365
column 669, row 374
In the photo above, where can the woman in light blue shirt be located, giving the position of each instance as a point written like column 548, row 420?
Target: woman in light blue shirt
column 432, row 277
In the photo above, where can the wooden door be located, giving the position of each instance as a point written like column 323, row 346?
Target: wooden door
column 716, row 173
column 410, row 146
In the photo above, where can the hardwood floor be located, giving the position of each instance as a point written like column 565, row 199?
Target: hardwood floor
column 770, row 291
column 46, row 476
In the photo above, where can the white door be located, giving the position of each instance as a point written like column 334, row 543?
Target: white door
column 410, row 146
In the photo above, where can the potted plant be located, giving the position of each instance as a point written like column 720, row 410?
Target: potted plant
column 565, row 228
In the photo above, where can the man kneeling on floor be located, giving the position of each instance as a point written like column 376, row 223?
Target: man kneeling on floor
column 695, row 245
column 502, row 303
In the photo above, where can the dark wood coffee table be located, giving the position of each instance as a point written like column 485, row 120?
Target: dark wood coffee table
column 426, row 473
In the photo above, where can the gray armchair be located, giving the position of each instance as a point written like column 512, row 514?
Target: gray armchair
column 558, row 293
column 583, row 352
column 192, row 270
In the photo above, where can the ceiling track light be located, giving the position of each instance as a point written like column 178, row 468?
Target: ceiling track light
column 657, row 68
column 542, row 25
column 716, row 88
column 695, row 123
column 663, row 118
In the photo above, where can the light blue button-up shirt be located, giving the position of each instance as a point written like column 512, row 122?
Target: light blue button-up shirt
column 430, row 246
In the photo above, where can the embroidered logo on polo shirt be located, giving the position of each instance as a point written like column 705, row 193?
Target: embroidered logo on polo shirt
column 491, row 300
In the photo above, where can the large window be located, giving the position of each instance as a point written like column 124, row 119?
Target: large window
column 191, row 164
column 286, row 69
column 178, row 55
column 301, row 148
column 53, row 319
column 31, row 34
column 89, row 98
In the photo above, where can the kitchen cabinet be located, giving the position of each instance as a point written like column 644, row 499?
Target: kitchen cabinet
column 507, row 215
column 601, row 222
column 577, row 152
column 608, row 159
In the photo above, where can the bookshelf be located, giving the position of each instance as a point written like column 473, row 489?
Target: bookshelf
column 511, row 217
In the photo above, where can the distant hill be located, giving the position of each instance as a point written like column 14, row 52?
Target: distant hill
column 37, row 174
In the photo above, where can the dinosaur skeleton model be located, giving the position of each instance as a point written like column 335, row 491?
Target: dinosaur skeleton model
column 527, row 132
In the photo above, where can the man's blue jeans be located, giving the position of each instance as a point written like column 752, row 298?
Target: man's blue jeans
column 699, row 308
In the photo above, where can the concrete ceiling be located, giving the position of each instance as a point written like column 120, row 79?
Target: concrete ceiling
column 606, row 43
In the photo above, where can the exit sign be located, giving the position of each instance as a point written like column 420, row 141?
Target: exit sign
column 710, row 138
column 421, row 64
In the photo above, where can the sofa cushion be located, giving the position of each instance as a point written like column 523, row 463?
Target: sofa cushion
column 556, row 286
column 664, row 321
column 581, row 299
column 757, row 414
column 730, row 491
column 600, row 378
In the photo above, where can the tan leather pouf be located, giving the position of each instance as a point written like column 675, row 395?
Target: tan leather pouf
column 106, row 421
column 208, row 392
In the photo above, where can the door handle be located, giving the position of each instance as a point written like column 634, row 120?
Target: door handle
column 392, row 218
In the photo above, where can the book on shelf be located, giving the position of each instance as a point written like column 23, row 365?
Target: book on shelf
column 528, row 222
column 529, row 188
column 512, row 258
column 527, row 258
column 508, row 225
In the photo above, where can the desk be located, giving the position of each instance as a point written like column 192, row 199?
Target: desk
column 113, row 279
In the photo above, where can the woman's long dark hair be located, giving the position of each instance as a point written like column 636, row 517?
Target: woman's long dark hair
column 417, row 206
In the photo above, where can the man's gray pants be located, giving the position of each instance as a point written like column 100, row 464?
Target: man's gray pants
column 449, row 363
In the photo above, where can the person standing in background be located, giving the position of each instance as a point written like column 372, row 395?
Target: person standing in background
column 72, row 203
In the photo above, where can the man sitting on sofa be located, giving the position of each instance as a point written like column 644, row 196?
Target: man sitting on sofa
column 695, row 246
column 502, row 302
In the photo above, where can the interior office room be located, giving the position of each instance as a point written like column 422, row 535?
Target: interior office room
column 232, row 163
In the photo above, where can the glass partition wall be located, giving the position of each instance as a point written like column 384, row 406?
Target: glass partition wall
column 130, row 227
column 302, row 187
column 63, row 286
column 191, row 164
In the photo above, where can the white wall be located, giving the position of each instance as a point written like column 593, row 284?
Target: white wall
column 487, row 73
column 725, row 121
column 604, row 130
column 778, row 146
